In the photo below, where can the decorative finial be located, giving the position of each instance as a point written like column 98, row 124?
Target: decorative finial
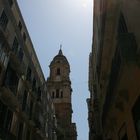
column 60, row 46
column 60, row 51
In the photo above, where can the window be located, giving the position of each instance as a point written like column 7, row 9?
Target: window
column 31, row 108
column 28, row 135
column 11, row 79
column 39, row 91
column 53, row 96
column 39, row 94
column 136, row 117
column 24, row 100
column 15, row 45
column 58, row 71
column 17, row 49
column 20, row 131
column 58, row 61
column 123, row 132
column 122, row 28
column 8, row 119
column 61, row 94
column 28, row 76
column 5, row 62
column 10, row 2
column 34, row 84
column 3, row 20
column 57, row 93
column 20, row 54
column 3, row 56
column 3, row 110
column 124, row 137
column 5, row 120
column 24, row 36
column 20, row 26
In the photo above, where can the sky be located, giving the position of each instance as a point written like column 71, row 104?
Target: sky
column 67, row 22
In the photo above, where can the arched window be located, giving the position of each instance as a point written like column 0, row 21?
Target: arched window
column 58, row 71
column 57, row 93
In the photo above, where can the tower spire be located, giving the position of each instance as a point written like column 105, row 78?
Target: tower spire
column 60, row 46
column 60, row 51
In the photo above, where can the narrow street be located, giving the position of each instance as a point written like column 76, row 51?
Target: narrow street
column 69, row 70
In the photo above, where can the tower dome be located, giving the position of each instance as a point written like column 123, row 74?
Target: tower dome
column 60, row 59
column 59, row 67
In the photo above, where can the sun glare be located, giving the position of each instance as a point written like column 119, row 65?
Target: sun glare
column 84, row 3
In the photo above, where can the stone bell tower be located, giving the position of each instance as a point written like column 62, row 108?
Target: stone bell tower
column 59, row 87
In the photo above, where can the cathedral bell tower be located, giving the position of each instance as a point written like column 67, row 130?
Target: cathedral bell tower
column 59, row 87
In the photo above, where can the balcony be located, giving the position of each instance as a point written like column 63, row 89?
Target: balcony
column 4, row 35
column 128, row 47
column 37, row 116
column 17, row 65
column 125, row 54
column 8, row 97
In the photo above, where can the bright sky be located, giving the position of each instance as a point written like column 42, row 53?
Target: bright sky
column 67, row 22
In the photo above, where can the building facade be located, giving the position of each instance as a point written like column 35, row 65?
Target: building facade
column 114, row 72
column 26, row 110
column 59, row 88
